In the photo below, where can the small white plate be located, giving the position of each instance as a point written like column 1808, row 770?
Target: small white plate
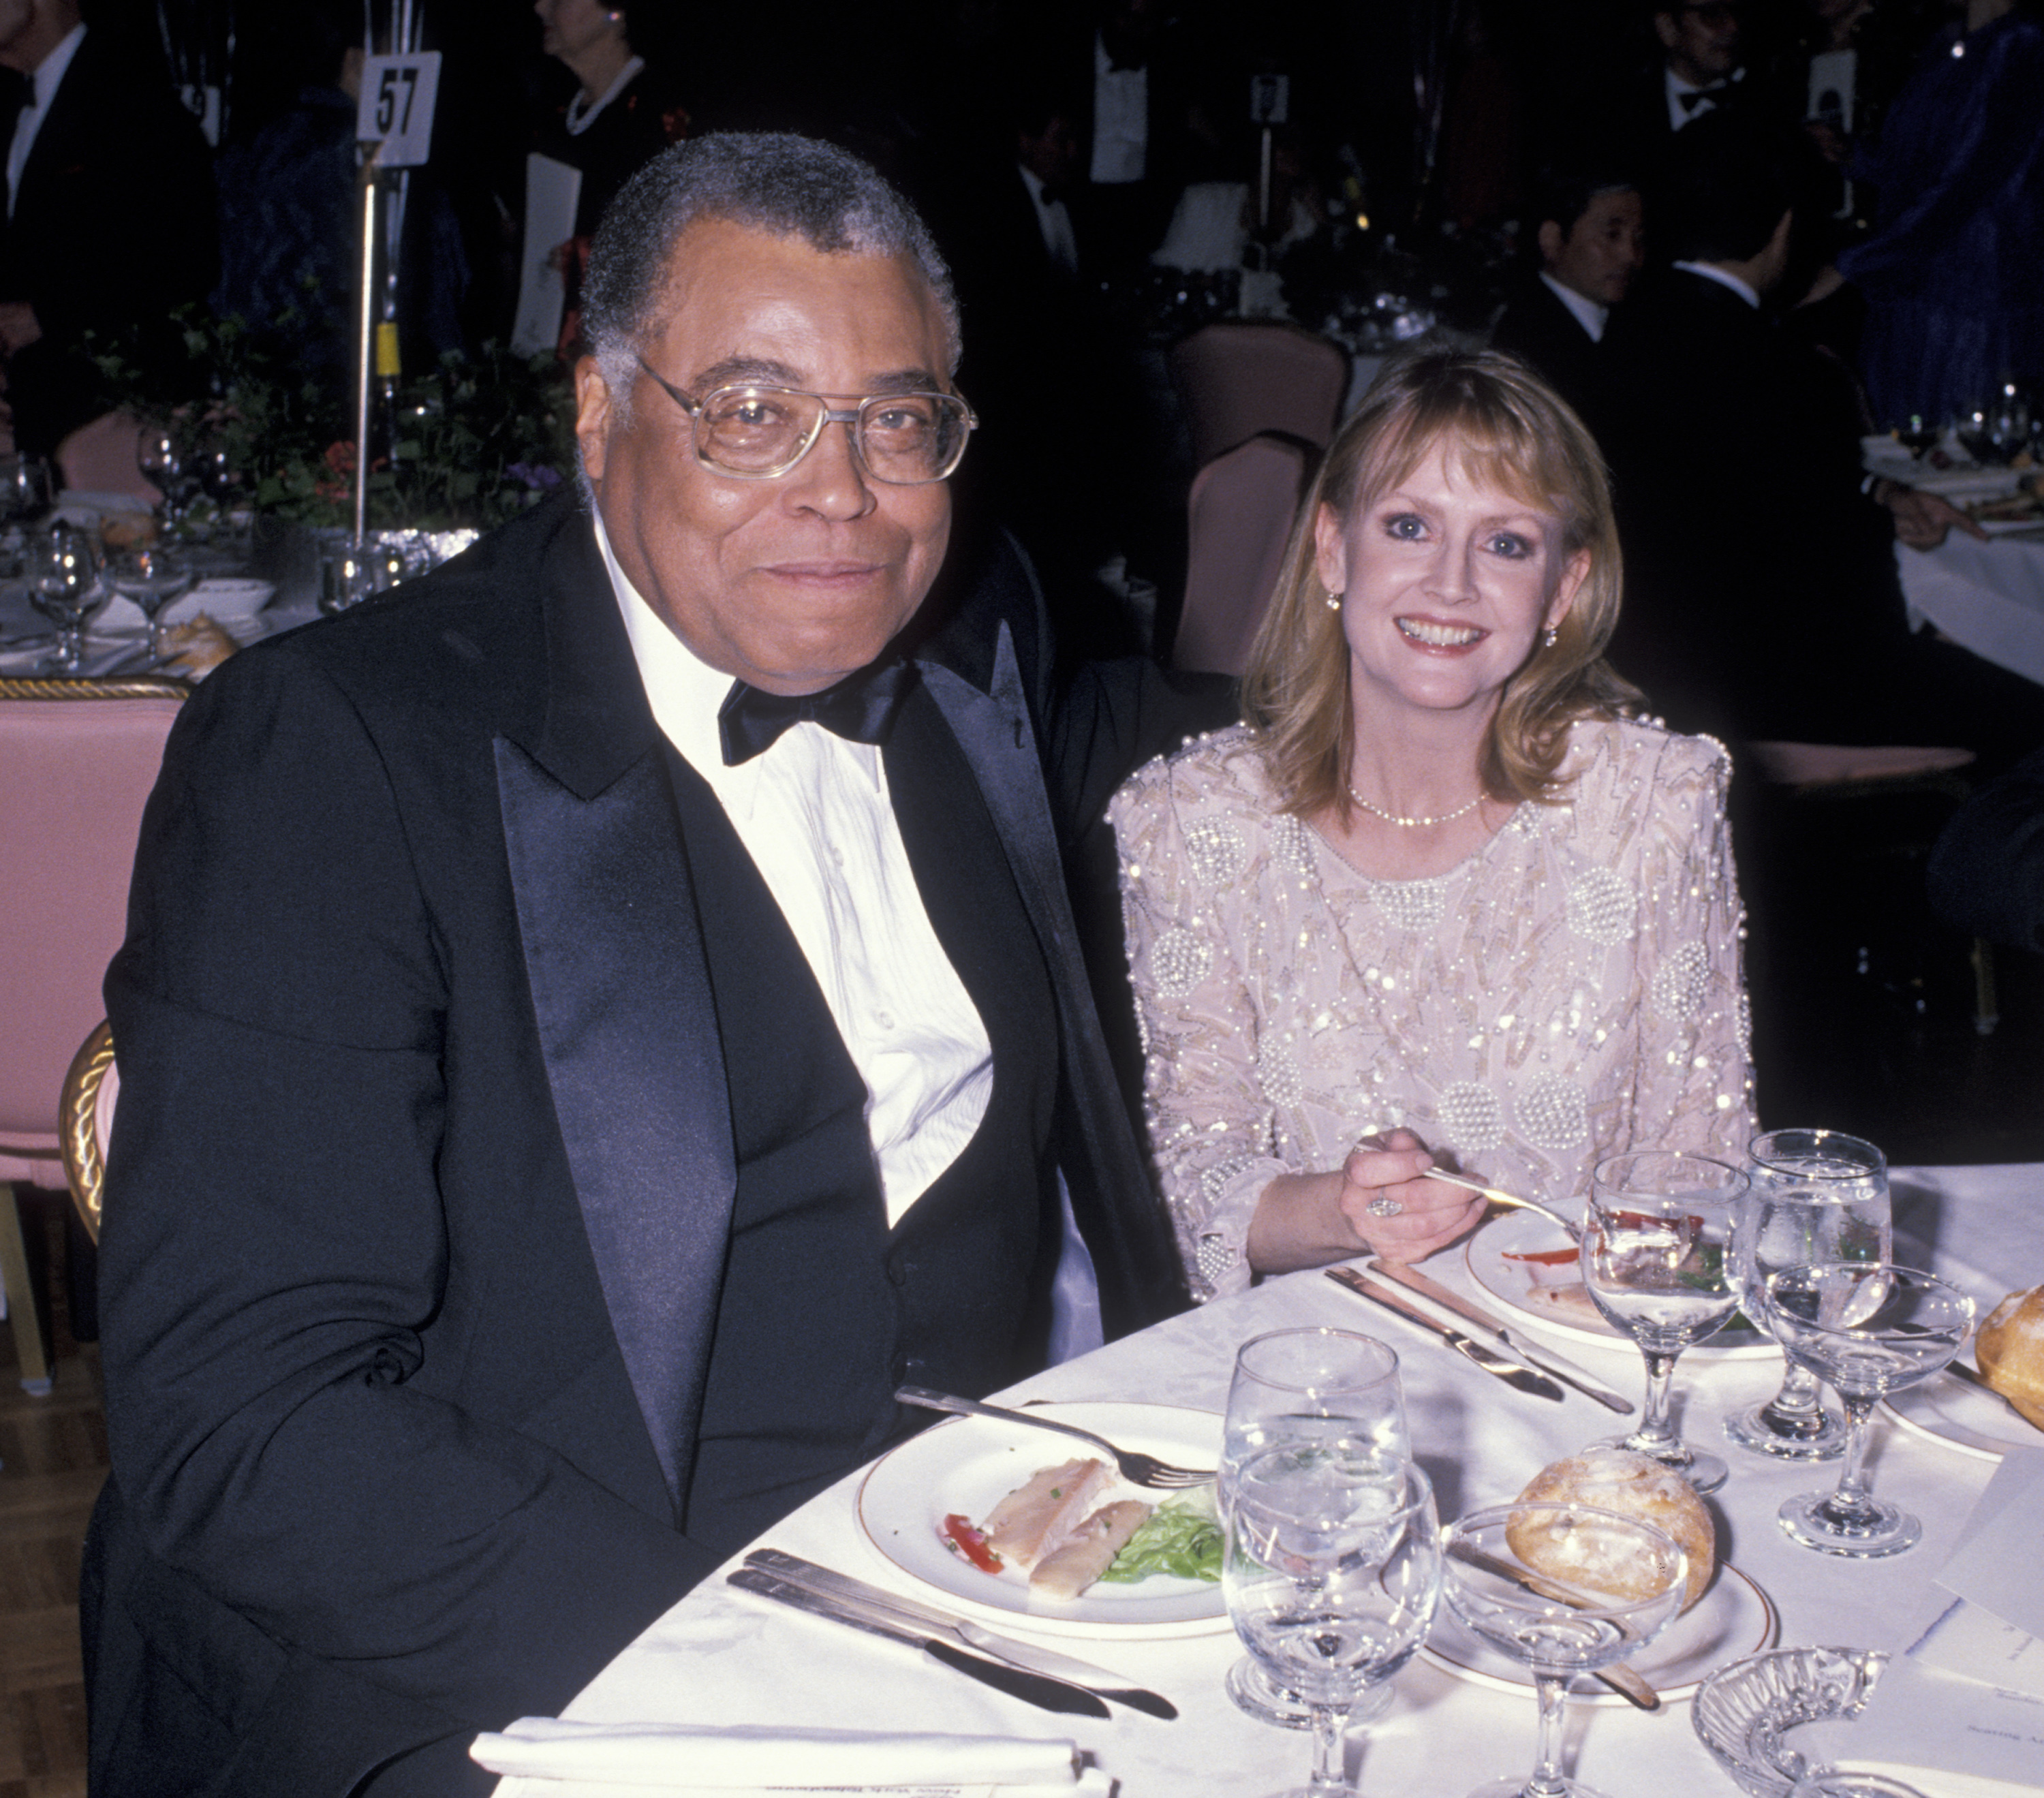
column 968, row 1465
column 1511, row 1283
column 1733, row 1619
column 1958, row 1414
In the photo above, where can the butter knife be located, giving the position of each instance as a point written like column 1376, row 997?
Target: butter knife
column 1429, row 1294
column 1492, row 1361
column 811, row 1577
column 1631, row 1686
column 1045, row 1693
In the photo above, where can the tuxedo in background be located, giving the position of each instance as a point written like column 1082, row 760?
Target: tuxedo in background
column 112, row 229
column 1539, row 328
column 530, row 1256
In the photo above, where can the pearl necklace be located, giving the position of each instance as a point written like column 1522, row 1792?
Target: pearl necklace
column 1414, row 823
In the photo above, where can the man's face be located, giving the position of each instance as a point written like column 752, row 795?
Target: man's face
column 1604, row 249
column 790, row 583
column 1702, row 42
column 14, row 19
column 1053, row 154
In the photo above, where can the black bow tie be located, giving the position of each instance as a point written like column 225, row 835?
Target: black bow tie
column 859, row 709
column 1697, row 96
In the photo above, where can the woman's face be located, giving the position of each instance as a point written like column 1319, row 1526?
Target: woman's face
column 1446, row 585
column 569, row 27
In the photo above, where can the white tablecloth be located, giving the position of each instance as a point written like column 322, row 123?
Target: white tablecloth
column 720, row 1657
column 1988, row 596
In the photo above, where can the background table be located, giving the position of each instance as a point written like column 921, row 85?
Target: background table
column 1988, row 596
column 720, row 1657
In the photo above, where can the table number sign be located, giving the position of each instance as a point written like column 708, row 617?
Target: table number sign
column 396, row 109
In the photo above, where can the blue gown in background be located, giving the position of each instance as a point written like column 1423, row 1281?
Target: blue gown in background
column 1955, row 299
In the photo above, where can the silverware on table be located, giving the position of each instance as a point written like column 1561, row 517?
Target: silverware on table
column 1497, row 1361
column 1137, row 1468
column 1027, row 1655
column 1452, row 1308
column 1040, row 1689
column 1632, row 1687
column 1497, row 1195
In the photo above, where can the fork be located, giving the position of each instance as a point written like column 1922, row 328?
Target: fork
column 1137, row 1468
column 1498, row 1197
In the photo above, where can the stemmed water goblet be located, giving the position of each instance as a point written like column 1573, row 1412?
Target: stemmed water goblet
column 1331, row 1572
column 25, row 488
column 1557, row 1622
column 65, row 568
column 1814, row 1196
column 151, row 576
column 164, row 458
column 1655, row 1254
column 1288, row 1385
column 1869, row 1328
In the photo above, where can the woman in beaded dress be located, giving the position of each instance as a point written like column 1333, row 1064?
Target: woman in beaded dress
column 1439, row 900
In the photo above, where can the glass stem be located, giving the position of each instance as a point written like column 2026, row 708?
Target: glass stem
column 1330, row 1773
column 1547, row 1781
column 1656, row 1435
column 1852, row 1503
column 1796, row 1402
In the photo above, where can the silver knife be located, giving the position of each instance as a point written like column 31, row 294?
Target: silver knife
column 1027, row 1654
column 1430, row 1295
column 1040, row 1689
column 1497, row 1362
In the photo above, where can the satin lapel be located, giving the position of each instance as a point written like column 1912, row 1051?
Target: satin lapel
column 613, row 953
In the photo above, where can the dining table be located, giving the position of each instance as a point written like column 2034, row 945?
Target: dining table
column 723, row 1658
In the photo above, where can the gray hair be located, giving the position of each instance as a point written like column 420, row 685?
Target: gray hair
column 767, row 181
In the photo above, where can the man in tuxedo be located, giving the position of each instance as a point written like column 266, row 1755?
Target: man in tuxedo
column 1762, row 595
column 592, row 1026
column 1591, row 238
column 109, row 222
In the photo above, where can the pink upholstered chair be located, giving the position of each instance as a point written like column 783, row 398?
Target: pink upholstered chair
column 1239, row 518
column 1238, row 380
column 77, row 760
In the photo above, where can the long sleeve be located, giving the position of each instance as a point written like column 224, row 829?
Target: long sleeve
column 1212, row 1122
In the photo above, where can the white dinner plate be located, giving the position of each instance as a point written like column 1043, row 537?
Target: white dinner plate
column 969, row 1464
column 1958, row 1414
column 1512, row 1284
column 1733, row 1619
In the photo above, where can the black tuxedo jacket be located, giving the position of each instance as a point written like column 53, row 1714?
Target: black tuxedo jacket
column 113, row 228
column 1537, row 328
column 420, row 1183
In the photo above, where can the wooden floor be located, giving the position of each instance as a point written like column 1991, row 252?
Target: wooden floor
column 54, row 1452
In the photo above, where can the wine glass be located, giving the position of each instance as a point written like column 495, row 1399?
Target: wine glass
column 1655, row 1254
column 1286, row 1383
column 1870, row 1328
column 1814, row 1196
column 1332, row 1573
column 25, row 488
column 152, row 576
column 65, row 567
column 163, row 457
column 1566, row 1588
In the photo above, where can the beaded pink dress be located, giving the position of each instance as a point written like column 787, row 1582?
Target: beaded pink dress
column 1572, row 989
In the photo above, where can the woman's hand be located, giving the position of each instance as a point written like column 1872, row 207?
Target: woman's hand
column 1379, row 1202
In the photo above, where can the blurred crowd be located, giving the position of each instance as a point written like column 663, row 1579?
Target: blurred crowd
column 1735, row 234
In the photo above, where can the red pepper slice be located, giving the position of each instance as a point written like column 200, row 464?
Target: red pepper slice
column 970, row 1542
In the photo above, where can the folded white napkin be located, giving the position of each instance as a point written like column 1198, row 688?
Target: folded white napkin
column 763, row 1759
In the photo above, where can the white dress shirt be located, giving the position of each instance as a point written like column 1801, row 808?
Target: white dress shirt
column 49, row 74
column 1585, row 311
column 1120, row 120
column 1710, row 271
column 813, row 813
column 1053, row 220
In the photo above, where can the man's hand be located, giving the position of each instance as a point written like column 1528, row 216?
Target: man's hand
column 1390, row 1171
column 18, row 327
column 1922, row 519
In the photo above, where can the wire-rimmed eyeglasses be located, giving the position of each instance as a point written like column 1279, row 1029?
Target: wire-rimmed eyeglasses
column 754, row 432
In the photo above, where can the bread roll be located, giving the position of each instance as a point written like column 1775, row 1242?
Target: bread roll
column 1637, row 1485
column 2010, row 1352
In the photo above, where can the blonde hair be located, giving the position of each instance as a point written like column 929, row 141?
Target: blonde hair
column 1505, row 427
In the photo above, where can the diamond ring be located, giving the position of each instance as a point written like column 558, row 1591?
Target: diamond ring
column 1384, row 1207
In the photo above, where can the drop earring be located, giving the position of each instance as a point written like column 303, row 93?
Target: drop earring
column 1552, row 637
column 1334, row 602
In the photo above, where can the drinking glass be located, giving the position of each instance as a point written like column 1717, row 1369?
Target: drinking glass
column 152, row 576
column 1288, row 1384
column 64, row 568
column 1870, row 1328
column 1332, row 1573
column 1558, row 1623
column 25, row 487
column 164, row 458
column 1814, row 1196
column 1655, row 1254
